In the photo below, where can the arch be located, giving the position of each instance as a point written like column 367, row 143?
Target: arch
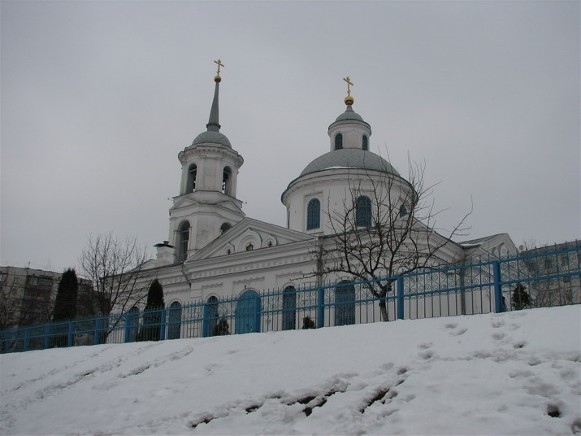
column 183, row 241
column 344, row 303
column 248, row 313
column 365, row 143
column 338, row 141
column 211, row 316
column 227, row 181
column 363, row 211
column 225, row 227
column 314, row 214
column 174, row 320
column 192, row 176
column 289, row 308
column 131, row 324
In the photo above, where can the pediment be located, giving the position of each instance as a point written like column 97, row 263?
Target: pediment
column 248, row 235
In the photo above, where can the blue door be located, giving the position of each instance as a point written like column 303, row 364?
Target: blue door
column 248, row 313
column 344, row 304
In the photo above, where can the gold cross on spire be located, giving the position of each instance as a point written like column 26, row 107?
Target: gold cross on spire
column 220, row 64
column 348, row 100
column 349, row 84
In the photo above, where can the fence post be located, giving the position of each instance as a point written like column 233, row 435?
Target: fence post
column 399, row 300
column 46, row 332
column 128, row 322
column 162, row 325
column 321, row 308
column 70, row 334
column 497, row 287
column 25, row 345
column 96, row 331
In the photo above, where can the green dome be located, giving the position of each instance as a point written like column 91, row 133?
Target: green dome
column 212, row 137
column 349, row 158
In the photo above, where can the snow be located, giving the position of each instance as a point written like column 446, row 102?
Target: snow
column 480, row 374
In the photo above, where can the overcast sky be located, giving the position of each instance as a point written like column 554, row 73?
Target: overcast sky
column 98, row 98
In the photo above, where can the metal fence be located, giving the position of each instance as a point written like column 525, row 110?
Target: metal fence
column 544, row 277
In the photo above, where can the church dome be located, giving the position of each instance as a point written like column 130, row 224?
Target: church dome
column 349, row 115
column 212, row 137
column 349, row 158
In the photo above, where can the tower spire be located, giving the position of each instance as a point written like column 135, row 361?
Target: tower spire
column 214, row 121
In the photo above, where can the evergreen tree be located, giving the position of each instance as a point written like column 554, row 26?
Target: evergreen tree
column 151, row 327
column 222, row 328
column 65, row 307
column 520, row 297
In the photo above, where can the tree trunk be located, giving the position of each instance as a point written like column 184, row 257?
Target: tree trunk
column 383, row 309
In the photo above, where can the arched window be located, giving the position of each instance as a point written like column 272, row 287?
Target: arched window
column 365, row 143
column 227, row 181
column 289, row 308
column 174, row 320
column 192, row 175
column 225, row 227
column 403, row 211
column 183, row 239
column 314, row 214
column 363, row 211
column 211, row 317
column 338, row 141
column 248, row 313
column 131, row 324
column 344, row 303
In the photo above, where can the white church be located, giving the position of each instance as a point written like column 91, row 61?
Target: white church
column 215, row 251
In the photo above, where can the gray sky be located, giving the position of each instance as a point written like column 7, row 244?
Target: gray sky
column 98, row 98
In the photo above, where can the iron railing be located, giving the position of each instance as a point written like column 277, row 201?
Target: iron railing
column 544, row 277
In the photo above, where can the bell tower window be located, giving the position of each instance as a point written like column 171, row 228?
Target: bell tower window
column 192, row 175
column 183, row 240
column 365, row 143
column 227, row 181
column 338, row 141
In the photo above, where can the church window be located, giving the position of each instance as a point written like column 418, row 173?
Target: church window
column 174, row 321
column 365, row 143
column 314, row 214
column 344, row 303
column 338, row 141
column 403, row 211
column 183, row 239
column 192, row 175
column 227, row 181
column 289, row 308
column 363, row 211
column 225, row 227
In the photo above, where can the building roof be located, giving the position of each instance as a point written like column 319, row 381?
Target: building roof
column 350, row 158
column 349, row 114
column 212, row 137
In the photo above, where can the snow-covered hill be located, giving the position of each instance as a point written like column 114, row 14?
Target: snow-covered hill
column 514, row 373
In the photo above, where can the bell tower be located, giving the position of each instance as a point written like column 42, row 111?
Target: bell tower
column 207, row 205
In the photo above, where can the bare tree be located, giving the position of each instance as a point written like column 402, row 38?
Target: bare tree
column 384, row 228
column 115, row 267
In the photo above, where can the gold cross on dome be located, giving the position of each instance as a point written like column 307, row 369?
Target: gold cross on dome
column 220, row 64
column 349, row 84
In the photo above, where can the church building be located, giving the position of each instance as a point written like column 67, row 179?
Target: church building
column 215, row 251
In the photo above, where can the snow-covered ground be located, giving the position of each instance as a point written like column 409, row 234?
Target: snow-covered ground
column 514, row 373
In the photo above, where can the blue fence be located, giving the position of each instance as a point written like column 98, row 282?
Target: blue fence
column 544, row 277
